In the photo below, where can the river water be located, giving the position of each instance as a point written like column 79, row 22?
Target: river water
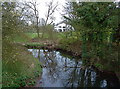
column 62, row 70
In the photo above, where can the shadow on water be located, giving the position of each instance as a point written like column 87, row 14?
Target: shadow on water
column 62, row 71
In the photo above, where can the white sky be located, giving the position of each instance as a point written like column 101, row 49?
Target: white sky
column 43, row 8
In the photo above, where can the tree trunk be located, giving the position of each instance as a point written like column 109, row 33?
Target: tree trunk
column 37, row 28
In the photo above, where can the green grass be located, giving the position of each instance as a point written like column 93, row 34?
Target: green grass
column 18, row 65
column 21, row 37
column 32, row 35
column 46, row 35
column 35, row 35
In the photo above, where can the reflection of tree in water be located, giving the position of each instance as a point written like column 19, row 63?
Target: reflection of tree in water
column 38, row 53
column 80, row 77
column 49, row 58
column 51, row 64
column 35, row 52
column 76, row 76
column 87, row 77
column 72, row 76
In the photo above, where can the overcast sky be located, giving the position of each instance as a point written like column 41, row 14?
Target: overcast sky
column 43, row 8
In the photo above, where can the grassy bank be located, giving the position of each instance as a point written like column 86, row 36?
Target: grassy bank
column 20, row 68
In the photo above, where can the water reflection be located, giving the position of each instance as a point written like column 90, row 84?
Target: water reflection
column 60, row 71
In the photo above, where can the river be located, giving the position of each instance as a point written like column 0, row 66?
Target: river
column 62, row 70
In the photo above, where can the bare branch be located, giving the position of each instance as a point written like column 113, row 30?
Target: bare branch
column 51, row 10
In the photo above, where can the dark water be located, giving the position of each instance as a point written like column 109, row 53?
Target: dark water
column 62, row 70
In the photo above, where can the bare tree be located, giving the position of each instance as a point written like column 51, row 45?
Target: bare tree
column 33, row 6
column 31, row 13
column 50, row 14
